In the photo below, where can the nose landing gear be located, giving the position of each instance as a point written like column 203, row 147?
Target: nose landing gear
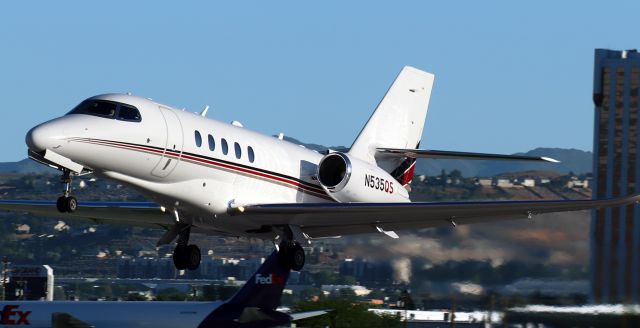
column 66, row 203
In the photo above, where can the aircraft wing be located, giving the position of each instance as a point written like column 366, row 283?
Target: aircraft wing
column 142, row 214
column 336, row 219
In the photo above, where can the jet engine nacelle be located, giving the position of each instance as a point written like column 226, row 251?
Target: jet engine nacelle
column 348, row 179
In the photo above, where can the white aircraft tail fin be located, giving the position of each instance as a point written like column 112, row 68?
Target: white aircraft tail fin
column 397, row 122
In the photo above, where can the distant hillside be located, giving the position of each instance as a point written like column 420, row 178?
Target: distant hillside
column 25, row 166
column 571, row 160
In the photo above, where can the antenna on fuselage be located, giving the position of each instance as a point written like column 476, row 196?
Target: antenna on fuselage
column 203, row 113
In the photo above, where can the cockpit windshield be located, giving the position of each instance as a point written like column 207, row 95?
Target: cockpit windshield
column 128, row 113
column 108, row 109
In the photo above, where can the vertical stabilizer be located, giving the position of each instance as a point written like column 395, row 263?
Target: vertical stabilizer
column 397, row 122
column 264, row 288
column 255, row 303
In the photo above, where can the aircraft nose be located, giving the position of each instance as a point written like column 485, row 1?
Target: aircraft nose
column 42, row 137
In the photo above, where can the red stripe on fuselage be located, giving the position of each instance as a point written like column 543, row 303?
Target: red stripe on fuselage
column 289, row 182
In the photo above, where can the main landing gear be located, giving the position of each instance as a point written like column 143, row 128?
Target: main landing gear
column 291, row 255
column 67, row 203
column 186, row 256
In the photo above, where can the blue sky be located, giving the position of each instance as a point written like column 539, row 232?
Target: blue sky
column 510, row 76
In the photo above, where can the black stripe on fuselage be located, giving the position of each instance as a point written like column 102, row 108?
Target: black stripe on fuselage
column 174, row 153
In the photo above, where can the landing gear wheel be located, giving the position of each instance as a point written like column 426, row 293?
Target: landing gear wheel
column 192, row 257
column 186, row 257
column 67, row 204
column 291, row 256
column 297, row 257
column 61, row 203
column 71, row 204
column 179, row 257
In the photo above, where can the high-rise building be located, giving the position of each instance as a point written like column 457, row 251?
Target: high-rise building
column 615, row 232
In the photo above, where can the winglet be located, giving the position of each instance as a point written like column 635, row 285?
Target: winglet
column 549, row 159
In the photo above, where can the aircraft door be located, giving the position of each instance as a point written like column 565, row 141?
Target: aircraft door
column 173, row 147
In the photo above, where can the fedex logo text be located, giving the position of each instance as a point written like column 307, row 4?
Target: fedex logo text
column 10, row 316
column 269, row 279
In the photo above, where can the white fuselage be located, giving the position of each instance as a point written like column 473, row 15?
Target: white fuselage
column 39, row 314
column 195, row 178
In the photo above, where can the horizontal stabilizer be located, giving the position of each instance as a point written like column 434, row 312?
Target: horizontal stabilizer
column 443, row 154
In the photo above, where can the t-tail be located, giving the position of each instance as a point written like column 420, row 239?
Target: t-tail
column 391, row 137
column 397, row 122
column 254, row 305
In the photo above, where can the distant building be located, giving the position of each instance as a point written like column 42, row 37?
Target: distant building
column 367, row 272
column 357, row 290
column 145, row 267
column 241, row 269
column 576, row 183
column 485, row 182
column 504, row 183
column 440, row 318
column 23, row 229
column 615, row 232
column 30, row 282
column 210, row 268
column 541, row 180
column 528, row 182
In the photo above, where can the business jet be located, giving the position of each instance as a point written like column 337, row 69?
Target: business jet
column 207, row 176
column 254, row 305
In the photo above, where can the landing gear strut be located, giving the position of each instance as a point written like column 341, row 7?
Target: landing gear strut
column 66, row 203
column 186, row 256
column 291, row 255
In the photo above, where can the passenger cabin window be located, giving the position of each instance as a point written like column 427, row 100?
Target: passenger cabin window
column 225, row 146
column 250, row 154
column 238, row 150
column 108, row 109
column 212, row 143
column 198, row 139
column 128, row 113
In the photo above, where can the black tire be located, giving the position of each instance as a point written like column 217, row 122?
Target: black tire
column 296, row 257
column 71, row 204
column 179, row 257
column 192, row 257
column 61, row 204
column 283, row 255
